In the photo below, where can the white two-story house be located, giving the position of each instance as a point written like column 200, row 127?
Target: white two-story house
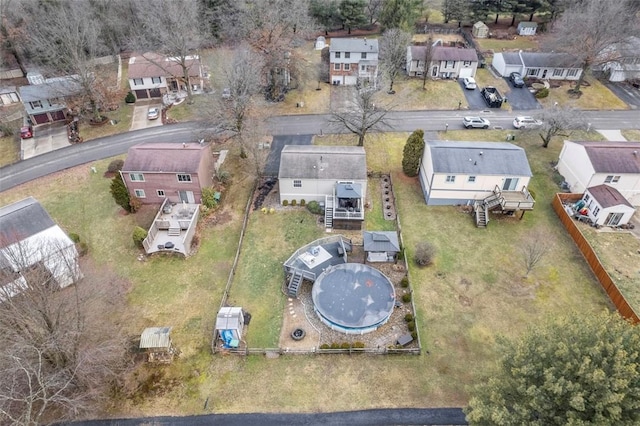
column 353, row 61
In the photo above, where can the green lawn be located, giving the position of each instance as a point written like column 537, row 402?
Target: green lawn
column 596, row 96
column 521, row 42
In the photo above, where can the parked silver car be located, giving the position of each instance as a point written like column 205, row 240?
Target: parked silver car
column 475, row 122
column 526, row 122
column 469, row 83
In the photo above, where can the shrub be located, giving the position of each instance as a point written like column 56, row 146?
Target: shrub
column 412, row 153
column 303, row 202
column 406, row 298
column 294, row 202
column 324, row 346
column 6, row 130
column 411, row 325
column 224, row 176
column 74, row 237
column 135, row 204
column 115, row 166
column 542, row 93
column 139, row 234
column 120, row 193
column 404, row 283
column 335, row 346
column 285, row 202
column 414, row 335
column 425, row 252
column 358, row 345
column 345, row 345
column 208, row 198
column 408, row 317
column 130, row 98
column 314, row 207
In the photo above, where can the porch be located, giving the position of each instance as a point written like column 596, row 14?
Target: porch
column 504, row 201
column 344, row 209
column 173, row 228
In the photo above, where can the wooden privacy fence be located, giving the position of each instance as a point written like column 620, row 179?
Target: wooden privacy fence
column 591, row 257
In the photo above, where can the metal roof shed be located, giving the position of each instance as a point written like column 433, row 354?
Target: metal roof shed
column 156, row 338
column 229, row 325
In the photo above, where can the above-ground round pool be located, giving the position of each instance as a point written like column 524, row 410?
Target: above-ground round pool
column 353, row 298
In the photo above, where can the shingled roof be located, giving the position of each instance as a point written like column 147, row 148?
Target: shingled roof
column 155, row 65
column 478, row 158
column 608, row 196
column 613, row 157
column 323, row 162
column 353, row 44
column 379, row 241
column 164, row 157
column 540, row 59
column 22, row 220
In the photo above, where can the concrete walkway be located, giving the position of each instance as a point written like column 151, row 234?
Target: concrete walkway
column 612, row 135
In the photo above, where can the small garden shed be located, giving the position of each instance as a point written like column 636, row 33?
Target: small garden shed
column 480, row 30
column 156, row 342
column 605, row 206
column 527, row 28
column 320, row 43
column 229, row 325
column 381, row 246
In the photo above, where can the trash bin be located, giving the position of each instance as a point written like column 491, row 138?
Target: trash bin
column 511, row 137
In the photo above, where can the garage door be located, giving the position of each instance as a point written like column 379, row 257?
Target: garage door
column 350, row 80
column 155, row 93
column 57, row 116
column 41, row 118
column 466, row 72
column 141, row 94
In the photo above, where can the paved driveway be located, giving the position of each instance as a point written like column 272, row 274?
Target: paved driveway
column 139, row 120
column 474, row 99
column 626, row 92
column 272, row 166
column 48, row 137
column 521, row 98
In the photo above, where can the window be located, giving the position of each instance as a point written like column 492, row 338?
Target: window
column 596, row 210
column 467, row 63
column 136, row 177
column 139, row 193
column 297, row 184
column 472, row 179
column 347, row 55
column 363, row 55
column 138, row 82
column 160, row 193
column 449, row 64
column 347, row 67
column 586, row 198
column 558, row 72
column 184, row 178
column 532, row 71
column 336, row 67
column 337, row 55
column 156, row 80
column 450, row 179
column 572, row 72
column 36, row 104
column 612, row 179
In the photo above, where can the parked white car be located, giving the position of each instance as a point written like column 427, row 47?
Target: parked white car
column 469, row 83
column 153, row 113
column 526, row 122
column 475, row 122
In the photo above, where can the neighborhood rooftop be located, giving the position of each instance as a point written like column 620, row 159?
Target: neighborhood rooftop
column 540, row 59
column 14, row 227
column 164, row 157
column 608, row 196
column 613, row 157
column 479, row 158
column 381, row 241
column 154, row 65
column 51, row 89
column 323, row 162
column 441, row 53
column 353, row 45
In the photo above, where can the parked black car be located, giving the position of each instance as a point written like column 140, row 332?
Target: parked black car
column 516, row 79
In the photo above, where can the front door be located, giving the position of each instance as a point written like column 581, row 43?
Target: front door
column 187, row 197
column 510, row 184
column 544, row 73
column 613, row 219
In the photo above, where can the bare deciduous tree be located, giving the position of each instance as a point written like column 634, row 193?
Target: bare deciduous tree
column 609, row 23
column 558, row 121
column 393, row 53
column 362, row 115
column 373, row 10
column 532, row 250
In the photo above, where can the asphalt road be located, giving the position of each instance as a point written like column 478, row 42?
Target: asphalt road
column 401, row 416
column 110, row 146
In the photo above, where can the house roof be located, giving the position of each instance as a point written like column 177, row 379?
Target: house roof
column 21, row 220
column 164, row 157
column 155, row 65
column 539, row 59
column 155, row 337
column 349, row 190
column 441, row 53
column 381, row 241
column 479, row 158
column 608, row 196
column 230, row 318
column 323, row 162
column 613, row 157
column 354, row 45
column 52, row 88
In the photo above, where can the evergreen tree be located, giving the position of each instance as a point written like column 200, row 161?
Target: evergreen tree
column 576, row 370
column 412, row 155
column 401, row 14
column 120, row 193
column 352, row 13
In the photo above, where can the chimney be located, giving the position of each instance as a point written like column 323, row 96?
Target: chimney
column 184, row 145
column 365, row 40
column 480, row 152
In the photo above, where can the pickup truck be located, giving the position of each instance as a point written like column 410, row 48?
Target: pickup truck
column 492, row 97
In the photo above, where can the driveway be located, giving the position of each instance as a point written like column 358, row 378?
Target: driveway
column 139, row 120
column 47, row 137
column 272, row 166
column 520, row 98
column 473, row 97
column 626, row 92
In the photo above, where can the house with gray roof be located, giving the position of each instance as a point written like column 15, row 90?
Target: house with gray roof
column 606, row 206
column 622, row 60
column 353, row 61
column 445, row 62
column 30, row 239
column 381, row 246
column 585, row 164
column 334, row 176
column 45, row 102
column 486, row 175
column 546, row 66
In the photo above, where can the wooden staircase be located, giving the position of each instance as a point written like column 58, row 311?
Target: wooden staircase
column 328, row 211
column 481, row 213
column 295, row 282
